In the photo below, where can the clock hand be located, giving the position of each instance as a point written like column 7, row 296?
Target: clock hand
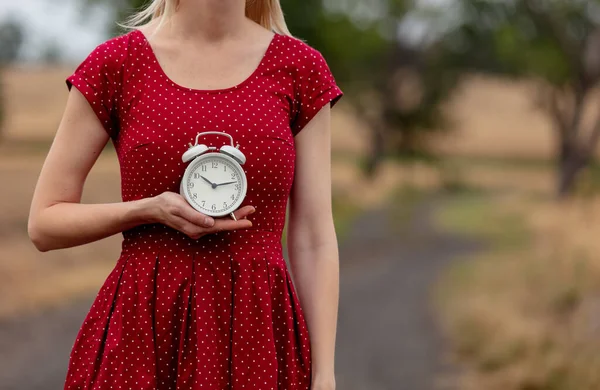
column 229, row 182
column 213, row 185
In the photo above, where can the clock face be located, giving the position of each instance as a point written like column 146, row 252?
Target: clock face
column 214, row 184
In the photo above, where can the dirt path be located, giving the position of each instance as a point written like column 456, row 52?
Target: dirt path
column 387, row 338
column 34, row 351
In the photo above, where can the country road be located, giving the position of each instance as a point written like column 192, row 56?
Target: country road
column 387, row 338
column 387, row 335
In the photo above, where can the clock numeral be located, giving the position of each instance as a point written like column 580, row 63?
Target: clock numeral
column 203, row 168
column 215, row 164
column 203, row 202
column 232, row 196
column 191, row 184
column 224, row 168
column 233, row 175
column 195, row 195
column 196, row 175
column 214, row 206
column 237, row 187
column 224, row 205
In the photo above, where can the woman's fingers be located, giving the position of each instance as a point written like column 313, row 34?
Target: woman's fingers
column 195, row 217
column 222, row 224
column 227, row 223
column 186, row 227
column 243, row 212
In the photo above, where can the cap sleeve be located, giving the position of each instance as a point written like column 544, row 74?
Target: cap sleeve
column 315, row 88
column 98, row 78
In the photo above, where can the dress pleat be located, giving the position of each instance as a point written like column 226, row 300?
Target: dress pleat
column 89, row 345
column 185, row 353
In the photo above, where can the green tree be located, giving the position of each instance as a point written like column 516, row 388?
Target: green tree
column 395, row 86
column 11, row 39
column 557, row 43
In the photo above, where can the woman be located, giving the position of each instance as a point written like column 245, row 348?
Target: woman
column 196, row 302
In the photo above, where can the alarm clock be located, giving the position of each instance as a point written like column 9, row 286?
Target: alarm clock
column 214, row 182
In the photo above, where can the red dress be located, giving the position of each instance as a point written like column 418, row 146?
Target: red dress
column 219, row 312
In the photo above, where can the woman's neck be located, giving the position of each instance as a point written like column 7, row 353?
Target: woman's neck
column 209, row 20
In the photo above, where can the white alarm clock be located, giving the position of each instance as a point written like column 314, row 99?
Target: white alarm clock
column 214, row 183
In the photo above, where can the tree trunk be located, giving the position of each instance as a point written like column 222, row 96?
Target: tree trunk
column 2, row 104
column 571, row 164
column 377, row 150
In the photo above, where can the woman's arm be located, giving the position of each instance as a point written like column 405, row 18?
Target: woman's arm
column 312, row 243
column 58, row 220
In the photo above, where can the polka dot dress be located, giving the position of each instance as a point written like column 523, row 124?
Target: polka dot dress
column 219, row 312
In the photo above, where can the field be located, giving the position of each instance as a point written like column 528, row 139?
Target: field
column 36, row 98
column 521, row 315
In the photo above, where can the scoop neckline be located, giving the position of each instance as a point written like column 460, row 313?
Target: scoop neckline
column 248, row 79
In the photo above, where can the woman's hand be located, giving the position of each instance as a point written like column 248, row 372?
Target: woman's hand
column 171, row 209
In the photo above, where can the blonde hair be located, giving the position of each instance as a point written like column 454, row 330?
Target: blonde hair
column 267, row 13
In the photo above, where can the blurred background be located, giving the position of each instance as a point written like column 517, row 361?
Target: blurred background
column 465, row 177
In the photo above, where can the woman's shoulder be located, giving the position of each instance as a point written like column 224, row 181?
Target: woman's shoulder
column 120, row 41
column 114, row 51
column 298, row 53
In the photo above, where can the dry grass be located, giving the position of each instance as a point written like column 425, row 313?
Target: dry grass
column 496, row 117
column 35, row 99
column 528, row 316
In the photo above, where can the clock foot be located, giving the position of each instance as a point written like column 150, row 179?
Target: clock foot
column 233, row 216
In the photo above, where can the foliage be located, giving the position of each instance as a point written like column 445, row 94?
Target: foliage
column 556, row 42
column 397, row 86
column 11, row 39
